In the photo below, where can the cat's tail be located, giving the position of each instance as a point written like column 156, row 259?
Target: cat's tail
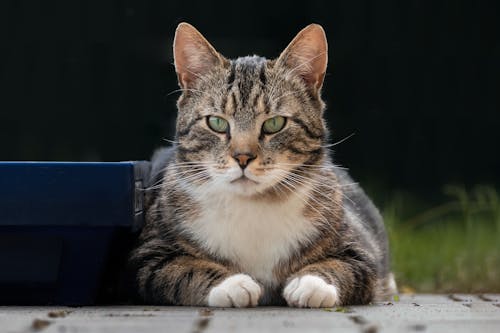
column 386, row 288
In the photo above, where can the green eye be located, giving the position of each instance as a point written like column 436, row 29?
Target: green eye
column 217, row 124
column 274, row 125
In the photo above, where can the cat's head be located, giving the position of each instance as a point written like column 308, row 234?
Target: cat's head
column 245, row 125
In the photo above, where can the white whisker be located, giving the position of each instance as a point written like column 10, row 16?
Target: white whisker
column 293, row 189
column 185, row 89
column 170, row 141
column 339, row 142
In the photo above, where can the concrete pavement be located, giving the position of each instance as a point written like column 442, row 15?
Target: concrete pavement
column 418, row 313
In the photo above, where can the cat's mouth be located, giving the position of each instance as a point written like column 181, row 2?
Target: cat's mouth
column 244, row 180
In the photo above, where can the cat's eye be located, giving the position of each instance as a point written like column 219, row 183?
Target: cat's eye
column 274, row 125
column 217, row 124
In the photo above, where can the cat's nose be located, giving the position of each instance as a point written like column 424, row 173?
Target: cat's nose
column 244, row 159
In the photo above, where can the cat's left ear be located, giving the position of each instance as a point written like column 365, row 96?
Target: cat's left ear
column 307, row 55
column 193, row 55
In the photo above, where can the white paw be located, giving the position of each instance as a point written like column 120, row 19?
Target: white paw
column 239, row 290
column 310, row 291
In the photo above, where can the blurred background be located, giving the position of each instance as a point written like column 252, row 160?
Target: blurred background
column 416, row 82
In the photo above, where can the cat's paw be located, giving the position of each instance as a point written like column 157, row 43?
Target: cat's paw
column 310, row 291
column 238, row 290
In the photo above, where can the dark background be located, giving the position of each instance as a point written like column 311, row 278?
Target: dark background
column 417, row 82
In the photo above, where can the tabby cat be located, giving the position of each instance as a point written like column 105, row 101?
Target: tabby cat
column 246, row 208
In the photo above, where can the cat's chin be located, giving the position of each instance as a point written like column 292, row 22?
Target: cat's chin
column 244, row 181
column 244, row 186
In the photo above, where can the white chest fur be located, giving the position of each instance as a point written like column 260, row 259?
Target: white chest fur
column 255, row 235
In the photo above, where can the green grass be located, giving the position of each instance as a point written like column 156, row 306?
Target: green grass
column 453, row 247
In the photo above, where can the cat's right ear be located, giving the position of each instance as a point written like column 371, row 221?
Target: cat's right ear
column 193, row 55
column 307, row 55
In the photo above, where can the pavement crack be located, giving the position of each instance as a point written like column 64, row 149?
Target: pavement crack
column 40, row 324
column 58, row 314
column 366, row 326
column 205, row 312
column 202, row 322
column 455, row 298
column 371, row 328
column 417, row 327
column 360, row 320
column 129, row 315
column 486, row 298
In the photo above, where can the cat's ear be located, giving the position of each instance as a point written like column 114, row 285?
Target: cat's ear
column 307, row 55
column 193, row 55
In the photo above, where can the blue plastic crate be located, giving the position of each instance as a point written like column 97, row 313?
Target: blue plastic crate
column 60, row 224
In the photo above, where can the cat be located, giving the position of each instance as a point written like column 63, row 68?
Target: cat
column 247, row 208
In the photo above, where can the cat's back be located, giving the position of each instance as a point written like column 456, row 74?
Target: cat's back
column 361, row 212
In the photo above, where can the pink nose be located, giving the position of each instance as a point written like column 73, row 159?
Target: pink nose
column 243, row 159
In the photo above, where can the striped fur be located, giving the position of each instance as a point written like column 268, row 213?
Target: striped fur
column 288, row 228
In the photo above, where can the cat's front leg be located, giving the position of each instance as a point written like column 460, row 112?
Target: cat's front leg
column 330, row 283
column 186, row 280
